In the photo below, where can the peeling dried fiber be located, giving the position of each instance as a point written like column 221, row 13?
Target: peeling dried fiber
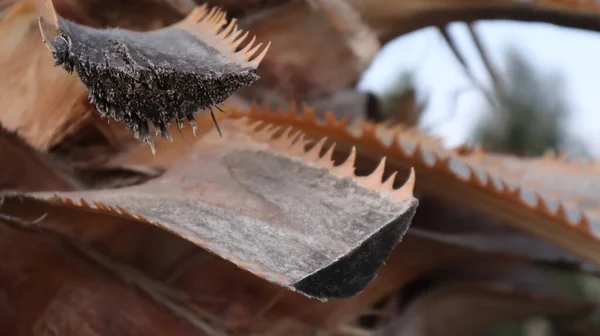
column 159, row 76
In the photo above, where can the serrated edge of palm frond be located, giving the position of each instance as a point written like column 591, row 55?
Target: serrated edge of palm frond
column 572, row 232
column 208, row 25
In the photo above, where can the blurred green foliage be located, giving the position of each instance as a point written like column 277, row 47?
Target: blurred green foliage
column 529, row 114
column 392, row 95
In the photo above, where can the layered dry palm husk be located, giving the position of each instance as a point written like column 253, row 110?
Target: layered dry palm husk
column 240, row 234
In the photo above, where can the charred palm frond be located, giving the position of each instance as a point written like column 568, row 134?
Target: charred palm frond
column 153, row 78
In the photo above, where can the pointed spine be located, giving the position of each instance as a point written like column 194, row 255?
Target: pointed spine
column 207, row 25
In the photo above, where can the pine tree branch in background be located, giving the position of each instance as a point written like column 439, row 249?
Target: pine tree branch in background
column 484, row 56
column 489, row 96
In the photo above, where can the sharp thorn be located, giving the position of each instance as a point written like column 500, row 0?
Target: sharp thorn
column 151, row 143
column 222, row 111
column 212, row 115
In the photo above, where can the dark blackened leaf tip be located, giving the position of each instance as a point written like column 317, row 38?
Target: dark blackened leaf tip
column 150, row 79
column 350, row 274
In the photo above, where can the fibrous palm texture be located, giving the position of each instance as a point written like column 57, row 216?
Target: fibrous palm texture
column 291, row 221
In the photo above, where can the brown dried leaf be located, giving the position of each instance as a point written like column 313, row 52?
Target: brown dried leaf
column 489, row 294
column 92, row 141
column 449, row 175
column 141, row 15
column 55, row 285
column 309, row 56
column 397, row 17
column 234, row 298
column 442, row 221
column 469, row 309
column 148, row 248
column 322, row 231
column 25, row 169
column 107, row 177
column 38, row 100
column 360, row 38
column 573, row 182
